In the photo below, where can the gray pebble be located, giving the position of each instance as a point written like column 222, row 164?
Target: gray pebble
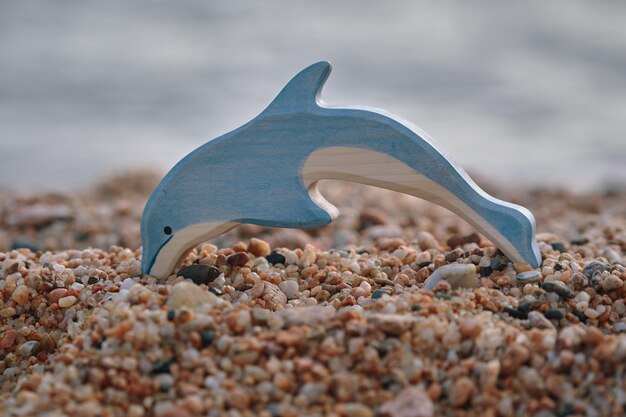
column 593, row 267
column 559, row 288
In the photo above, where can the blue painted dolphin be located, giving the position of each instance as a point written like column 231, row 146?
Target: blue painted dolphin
column 266, row 173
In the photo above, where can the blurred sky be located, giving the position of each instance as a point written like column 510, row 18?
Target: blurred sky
column 526, row 92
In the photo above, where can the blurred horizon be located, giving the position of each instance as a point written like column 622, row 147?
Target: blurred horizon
column 529, row 94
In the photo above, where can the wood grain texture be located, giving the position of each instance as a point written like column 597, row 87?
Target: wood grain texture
column 266, row 171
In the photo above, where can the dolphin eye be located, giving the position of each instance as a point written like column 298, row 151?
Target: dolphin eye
column 167, row 230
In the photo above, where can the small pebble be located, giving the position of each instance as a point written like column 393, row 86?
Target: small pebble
column 275, row 258
column 558, row 288
column 185, row 294
column 259, row 247
column 237, row 259
column 67, row 301
column 410, row 402
column 199, row 274
column 594, row 266
column 20, row 295
column 290, row 288
column 554, row 314
column 461, row 391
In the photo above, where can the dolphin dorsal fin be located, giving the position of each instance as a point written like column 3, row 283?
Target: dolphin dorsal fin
column 301, row 92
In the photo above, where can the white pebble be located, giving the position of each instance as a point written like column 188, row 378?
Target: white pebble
column 290, row 288
column 128, row 282
column 67, row 301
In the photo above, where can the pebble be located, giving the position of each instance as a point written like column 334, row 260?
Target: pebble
column 237, row 259
column 308, row 257
column 56, row 294
column 290, row 288
column 20, row 295
column 126, row 284
column 186, row 294
column 8, row 338
column 275, row 258
column 273, row 295
column 410, row 402
column 611, row 283
column 378, row 293
column 356, row 410
column 259, row 247
column 28, row 348
column 66, row 302
column 7, row 312
column 554, row 314
column 591, row 313
column 594, row 266
column 199, row 274
column 461, row 391
column 558, row 288
column 457, row 275
column 529, row 277
column 206, row 337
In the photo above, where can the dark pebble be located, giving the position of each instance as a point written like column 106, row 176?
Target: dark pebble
column 416, row 307
column 565, row 409
column 558, row 246
column 237, row 259
column 206, row 338
column 498, row 264
column 162, row 367
column 579, row 241
column 98, row 344
column 593, row 267
column 275, row 258
column 170, row 315
column 26, row 243
column 554, row 314
column 200, row 274
column 560, row 289
column 558, row 267
column 378, row 293
column 454, row 255
column 485, row 271
column 216, row 291
column 92, row 280
column 581, row 316
column 524, row 307
column 513, row 312
column 425, row 264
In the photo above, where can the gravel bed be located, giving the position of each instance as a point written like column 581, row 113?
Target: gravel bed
column 395, row 309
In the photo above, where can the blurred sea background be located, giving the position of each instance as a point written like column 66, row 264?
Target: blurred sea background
column 530, row 93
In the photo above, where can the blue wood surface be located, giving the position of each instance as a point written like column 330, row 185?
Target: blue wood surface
column 253, row 174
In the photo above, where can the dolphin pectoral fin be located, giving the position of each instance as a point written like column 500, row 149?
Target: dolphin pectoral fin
column 176, row 249
column 302, row 91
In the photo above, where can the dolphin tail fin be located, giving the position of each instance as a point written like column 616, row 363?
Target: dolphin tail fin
column 302, row 91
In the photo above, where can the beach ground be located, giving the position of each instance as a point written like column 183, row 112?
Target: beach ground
column 319, row 322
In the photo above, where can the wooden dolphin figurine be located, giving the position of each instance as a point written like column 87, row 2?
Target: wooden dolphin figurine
column 266, row 173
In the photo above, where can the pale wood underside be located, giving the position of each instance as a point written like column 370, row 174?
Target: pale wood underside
column 349, row 164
